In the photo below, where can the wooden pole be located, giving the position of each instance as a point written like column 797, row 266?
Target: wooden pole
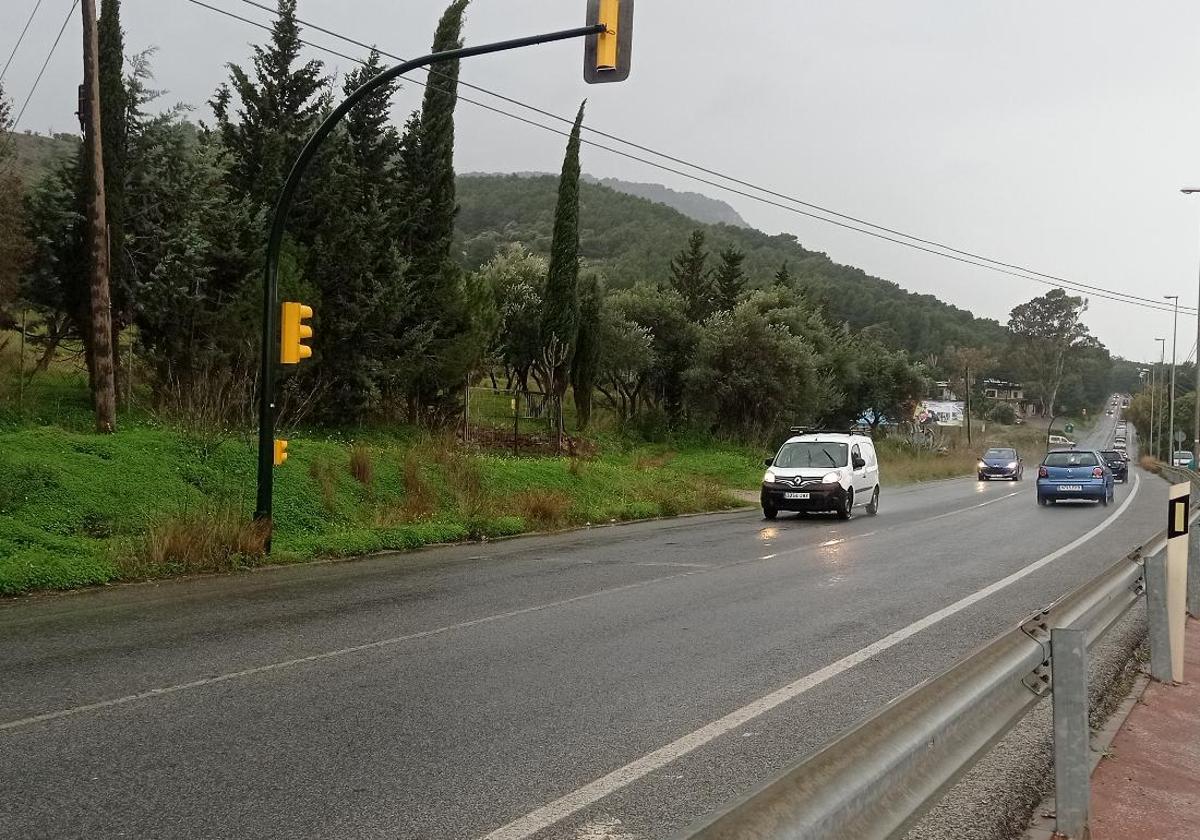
column 104, row 394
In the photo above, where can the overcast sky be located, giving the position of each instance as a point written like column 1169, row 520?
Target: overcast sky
column 1051, row 135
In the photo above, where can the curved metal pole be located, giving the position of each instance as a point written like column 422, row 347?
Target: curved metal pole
column 266, row 406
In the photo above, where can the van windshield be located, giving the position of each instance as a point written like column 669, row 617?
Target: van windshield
column 811, row 454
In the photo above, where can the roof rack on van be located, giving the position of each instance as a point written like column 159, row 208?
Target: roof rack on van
column 809, row 430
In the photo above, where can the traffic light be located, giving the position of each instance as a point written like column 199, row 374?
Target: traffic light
column 281, row 454
column 293, row 331
column 606, row 56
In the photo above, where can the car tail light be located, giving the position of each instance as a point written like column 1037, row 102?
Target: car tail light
column 1098, row 472
column 1043, row 472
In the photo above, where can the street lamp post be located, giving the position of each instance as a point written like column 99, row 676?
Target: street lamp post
column 1196, row 412
column 266, row 447
column 1171, row 402
column 1162, row 360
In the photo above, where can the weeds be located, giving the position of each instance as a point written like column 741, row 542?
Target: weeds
column 419, row 498
column 196, row 542
column 322, row 471
column 542, row 509
column 361, row 466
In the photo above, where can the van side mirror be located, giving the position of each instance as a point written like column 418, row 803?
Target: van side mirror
column 768, row 462
column 858, row 462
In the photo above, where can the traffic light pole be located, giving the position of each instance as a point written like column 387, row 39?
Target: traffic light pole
column 266, row 404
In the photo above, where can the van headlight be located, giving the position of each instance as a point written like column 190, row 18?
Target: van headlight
column 769, row 478
column 831, row 478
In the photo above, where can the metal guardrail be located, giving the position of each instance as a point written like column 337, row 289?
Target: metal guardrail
column 875, row 781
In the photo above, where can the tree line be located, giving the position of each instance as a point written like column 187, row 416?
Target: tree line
column 412, row 305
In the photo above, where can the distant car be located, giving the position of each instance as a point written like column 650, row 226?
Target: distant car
column 1124, row 403
column 1108, row 413
column 1060, row 442
column 1183, row 458
column 1068, row 474
column 1001, row 462
column 1118, row 462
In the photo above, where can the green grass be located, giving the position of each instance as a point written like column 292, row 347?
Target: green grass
column 78, row 509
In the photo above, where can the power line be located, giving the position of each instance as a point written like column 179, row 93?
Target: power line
column 699, row 168
column 33, row 88
column 20, row 38
column 916, row 243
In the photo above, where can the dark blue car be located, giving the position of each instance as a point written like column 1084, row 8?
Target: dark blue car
column 1001, row 462
column 1068, row 474
column 1117, row 462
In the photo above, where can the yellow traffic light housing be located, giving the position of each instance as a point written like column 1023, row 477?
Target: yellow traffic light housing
column 606, row 55
column 281, row 453
column 292, row 333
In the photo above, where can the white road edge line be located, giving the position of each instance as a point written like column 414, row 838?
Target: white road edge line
column 331, row 654
column 563, row 807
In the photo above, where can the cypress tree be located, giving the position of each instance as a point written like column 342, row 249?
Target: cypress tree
column 691, row 279
column 441, row 309
column 114, row 108
column 586, row 364
column 730, row 280
column 560, row 312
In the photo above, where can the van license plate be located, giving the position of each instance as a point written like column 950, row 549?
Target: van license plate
column 1070, row 488
column 796, row 496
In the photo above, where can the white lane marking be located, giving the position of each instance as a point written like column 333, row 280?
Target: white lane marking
column 563, row 807
column 604, row 828
column 676, row 565
column 330, row 654
column 840, row 540
column 973, row 507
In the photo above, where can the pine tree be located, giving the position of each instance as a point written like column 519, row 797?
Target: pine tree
column 586, row 364
column 690, row 278
column 730, row 280
column 560, row 315
column 783, row 278
column 277, row 109
column 354, row 264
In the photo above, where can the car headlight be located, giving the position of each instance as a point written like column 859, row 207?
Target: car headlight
column 1012, row 465
column 982, row 465
column 831, row 478
column 769, row 478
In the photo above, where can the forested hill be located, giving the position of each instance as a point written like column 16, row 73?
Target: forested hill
column 633, row 239
column 694, row 205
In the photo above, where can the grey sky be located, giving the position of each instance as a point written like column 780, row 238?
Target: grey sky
column 1053, row 135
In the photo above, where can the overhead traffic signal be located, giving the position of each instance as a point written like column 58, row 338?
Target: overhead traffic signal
column 281, row 453
column 292, row 333
column 606, row 55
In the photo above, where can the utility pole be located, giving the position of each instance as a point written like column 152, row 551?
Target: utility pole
column 967, row 380
column 1171, row 404
column 1153, row 401
column 104, row 391
column 1196, row 413
column 1162, row 372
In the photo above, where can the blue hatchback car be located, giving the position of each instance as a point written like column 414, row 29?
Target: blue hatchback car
column 1074, row 474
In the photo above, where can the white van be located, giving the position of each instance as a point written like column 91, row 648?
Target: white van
column 1060, row 442
column 822, row 471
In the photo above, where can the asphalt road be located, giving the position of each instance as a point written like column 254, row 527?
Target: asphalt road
column 614, row 683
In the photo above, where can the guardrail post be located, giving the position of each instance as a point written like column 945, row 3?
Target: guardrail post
column 1156, row 617
column 1072, row 747
column 1193, row 576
